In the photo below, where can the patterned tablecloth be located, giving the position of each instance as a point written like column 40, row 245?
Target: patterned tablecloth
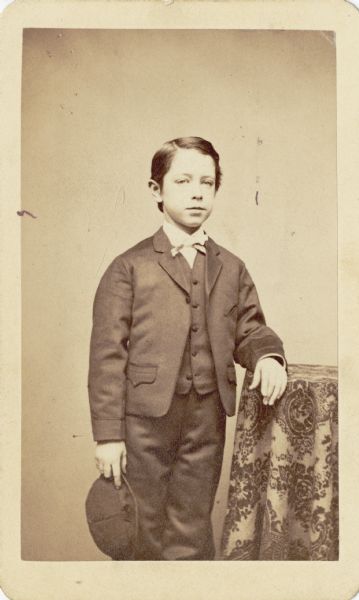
column 283, row 493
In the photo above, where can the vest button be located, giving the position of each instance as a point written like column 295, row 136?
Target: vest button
column 195, row 305
column 194, row 353
column 195, row 281
column 189, row 377
column 194, row 327
column 188, row 299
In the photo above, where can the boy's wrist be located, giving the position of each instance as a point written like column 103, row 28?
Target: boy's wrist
column 277, row 357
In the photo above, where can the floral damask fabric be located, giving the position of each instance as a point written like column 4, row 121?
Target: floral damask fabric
column 283, row 493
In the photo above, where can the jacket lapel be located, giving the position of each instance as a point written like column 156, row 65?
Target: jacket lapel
column 162, row 245
column 214, row 265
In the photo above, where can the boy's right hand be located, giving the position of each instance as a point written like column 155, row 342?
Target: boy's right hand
column 111, row 459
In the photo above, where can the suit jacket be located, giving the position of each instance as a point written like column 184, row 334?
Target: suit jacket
column 141, row 320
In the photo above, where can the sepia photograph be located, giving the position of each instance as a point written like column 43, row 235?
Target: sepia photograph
column 182, row 188
column 179, row 321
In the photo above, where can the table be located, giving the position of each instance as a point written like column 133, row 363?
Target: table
column 283, row 492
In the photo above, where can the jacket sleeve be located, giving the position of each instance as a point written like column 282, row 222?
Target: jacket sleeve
column 253, row 338
column 112, row 311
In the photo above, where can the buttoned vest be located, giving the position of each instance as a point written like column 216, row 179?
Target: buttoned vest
column 197, row 367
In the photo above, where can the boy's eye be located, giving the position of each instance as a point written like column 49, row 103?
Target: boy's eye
column 181, row 180
column 209, row 182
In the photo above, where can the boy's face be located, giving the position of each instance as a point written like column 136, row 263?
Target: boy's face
column 188, row 189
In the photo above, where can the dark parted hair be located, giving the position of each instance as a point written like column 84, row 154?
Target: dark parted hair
column 162, row 160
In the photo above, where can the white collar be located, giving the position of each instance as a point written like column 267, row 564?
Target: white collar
column 176, row 236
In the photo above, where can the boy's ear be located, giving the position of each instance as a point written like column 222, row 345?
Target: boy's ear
column 155, row 190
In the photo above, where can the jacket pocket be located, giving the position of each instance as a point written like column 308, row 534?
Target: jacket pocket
column 138, row 374
column 231, row 375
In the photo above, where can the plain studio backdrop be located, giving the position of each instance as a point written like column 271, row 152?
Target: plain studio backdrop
column 96, row 105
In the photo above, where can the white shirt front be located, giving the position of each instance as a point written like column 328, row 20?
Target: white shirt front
column 177, row 237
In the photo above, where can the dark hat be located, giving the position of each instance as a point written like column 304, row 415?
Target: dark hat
column 112, row 517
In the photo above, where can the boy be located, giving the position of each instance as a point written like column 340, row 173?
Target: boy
column 170, row 316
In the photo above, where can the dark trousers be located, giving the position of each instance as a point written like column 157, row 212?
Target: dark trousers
column 174, row 465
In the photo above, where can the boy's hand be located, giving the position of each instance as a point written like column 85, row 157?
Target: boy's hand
column 111, row 459
column 273, row 379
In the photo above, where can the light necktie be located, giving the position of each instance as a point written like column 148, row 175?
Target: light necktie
column 196, row 242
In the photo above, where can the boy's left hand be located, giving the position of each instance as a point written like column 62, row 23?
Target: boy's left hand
column 273, row 379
